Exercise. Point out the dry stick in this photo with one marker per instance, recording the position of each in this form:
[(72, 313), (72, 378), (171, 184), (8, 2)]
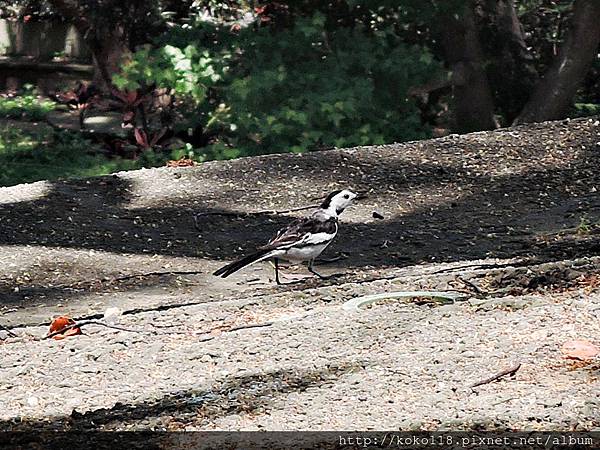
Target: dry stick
[(10, 333), (472, 285), (509, 371), (482, 267), (91, 322), (95, 322), (284, 211), (330, 260), (250, 325), (128, 277)]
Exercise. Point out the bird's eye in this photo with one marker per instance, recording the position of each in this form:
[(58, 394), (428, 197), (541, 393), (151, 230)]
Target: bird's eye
[(346, 196)]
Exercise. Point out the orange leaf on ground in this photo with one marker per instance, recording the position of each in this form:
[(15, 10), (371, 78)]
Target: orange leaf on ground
[(580, 350), (62, 322)]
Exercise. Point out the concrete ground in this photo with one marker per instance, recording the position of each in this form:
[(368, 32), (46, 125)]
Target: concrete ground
[(506, 219)]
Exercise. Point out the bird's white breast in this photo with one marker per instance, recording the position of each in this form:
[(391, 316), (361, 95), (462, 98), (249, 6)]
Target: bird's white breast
[(300, 254)]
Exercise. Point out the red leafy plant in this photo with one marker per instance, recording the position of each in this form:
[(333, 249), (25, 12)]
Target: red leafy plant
[(147, 141), (132, 103), (81, 99)]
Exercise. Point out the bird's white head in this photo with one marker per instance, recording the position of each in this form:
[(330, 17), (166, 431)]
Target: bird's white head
[(338, 201)]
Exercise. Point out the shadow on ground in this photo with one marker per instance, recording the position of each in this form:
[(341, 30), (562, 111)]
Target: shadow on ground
[(493, 215), (500, 217), (243, 394)]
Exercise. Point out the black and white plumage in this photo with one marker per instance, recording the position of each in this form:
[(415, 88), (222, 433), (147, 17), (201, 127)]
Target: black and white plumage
[(302, 240)]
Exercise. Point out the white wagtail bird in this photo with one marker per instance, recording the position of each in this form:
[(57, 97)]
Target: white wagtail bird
[(302, 240)]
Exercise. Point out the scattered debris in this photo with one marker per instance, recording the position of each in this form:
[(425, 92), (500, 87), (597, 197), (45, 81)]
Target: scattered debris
[(385, 244), (377, 215)]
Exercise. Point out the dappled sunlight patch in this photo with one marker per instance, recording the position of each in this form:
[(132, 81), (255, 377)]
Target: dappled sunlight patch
[(27, 193)]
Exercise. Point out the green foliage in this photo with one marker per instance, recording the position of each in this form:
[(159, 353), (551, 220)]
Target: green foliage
[(305, 88), (27, 156), (585, 225), (302, 88), (585, 109), (186, 71), (26, 106)]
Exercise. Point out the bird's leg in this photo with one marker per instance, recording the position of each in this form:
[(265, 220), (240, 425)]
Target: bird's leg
[(281, 275), (313, 271), (277, 271)]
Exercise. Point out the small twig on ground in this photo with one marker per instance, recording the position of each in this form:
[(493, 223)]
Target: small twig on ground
[(483, 266), (115, 327), (250, 325), (512, 370), (10, 333), (472, 285), (284, 211), (91, 322)]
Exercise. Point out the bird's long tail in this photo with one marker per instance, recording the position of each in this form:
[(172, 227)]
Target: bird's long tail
[(230, 268)]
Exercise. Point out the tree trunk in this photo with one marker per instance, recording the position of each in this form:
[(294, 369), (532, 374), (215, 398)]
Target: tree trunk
[(108, 46), (473, 102), (511, 70), (554, 93), (109, 50)]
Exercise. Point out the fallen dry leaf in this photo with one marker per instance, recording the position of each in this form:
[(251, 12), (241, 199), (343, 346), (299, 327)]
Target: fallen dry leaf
[(590, 282), (580, 350), (183, 162), (60, 323)]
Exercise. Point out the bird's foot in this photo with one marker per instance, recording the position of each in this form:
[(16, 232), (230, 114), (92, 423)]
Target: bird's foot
[(321, 276)]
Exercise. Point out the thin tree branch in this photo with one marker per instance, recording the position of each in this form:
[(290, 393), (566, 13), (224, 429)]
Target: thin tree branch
[(155, 274)]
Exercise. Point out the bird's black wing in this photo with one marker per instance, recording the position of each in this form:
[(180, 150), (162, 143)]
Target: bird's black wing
[(308, 230)]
